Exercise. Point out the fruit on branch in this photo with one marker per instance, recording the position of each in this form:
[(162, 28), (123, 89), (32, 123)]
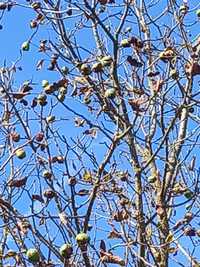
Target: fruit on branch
[(82, 238), (174, 74), (198, 13), (85, 69), (49, 193), (45, 83), (110, 93), (188, 194), (198, 233), (33, 255), (15, 136), (50, 88), (125, 43), (47, 174), (20, 153), (167, 55), (86, 100), (60, 159), (25, 46), (41, 99), (50, 119), (97, 67), (66, 251)]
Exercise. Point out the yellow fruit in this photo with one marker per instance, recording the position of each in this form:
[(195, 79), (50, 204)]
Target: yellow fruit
[(25, 46), (20, 153), (82, 238), (50, 119), (45, 83)]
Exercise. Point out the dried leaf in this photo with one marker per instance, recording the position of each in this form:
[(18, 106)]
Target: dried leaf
[(38, 198), (18, 182), (40, 64)]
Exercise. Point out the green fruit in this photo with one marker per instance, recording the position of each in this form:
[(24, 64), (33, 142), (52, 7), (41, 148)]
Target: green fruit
[(50, 119), (188, 194), (110, 93), (66, 250), (198, 12), (20, 153), (45, 83), (25, 46), (125, 43), (82, 238), (33, 255)]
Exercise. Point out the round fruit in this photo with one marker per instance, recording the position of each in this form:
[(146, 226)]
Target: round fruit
[(33, 255), (20, 153), (49, 89), (125, 43), (25, 46), (198, 12), (85, 69), (50, 119), (82, 238), (47, 174), (66, 250), (48, 193), (110, 93), (188, 194), (45, 83), (174, 74)]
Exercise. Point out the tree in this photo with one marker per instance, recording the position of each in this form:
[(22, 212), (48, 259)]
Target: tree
[(99, 144)]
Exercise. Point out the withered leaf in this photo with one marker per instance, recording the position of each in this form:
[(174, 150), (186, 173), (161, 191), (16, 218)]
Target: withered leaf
[(40, 64), (38, 198), (17, 182)]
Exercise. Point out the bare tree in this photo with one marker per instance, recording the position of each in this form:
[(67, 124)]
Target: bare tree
[(99, 146)]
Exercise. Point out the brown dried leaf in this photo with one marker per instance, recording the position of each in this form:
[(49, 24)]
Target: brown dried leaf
[(17, 182)]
